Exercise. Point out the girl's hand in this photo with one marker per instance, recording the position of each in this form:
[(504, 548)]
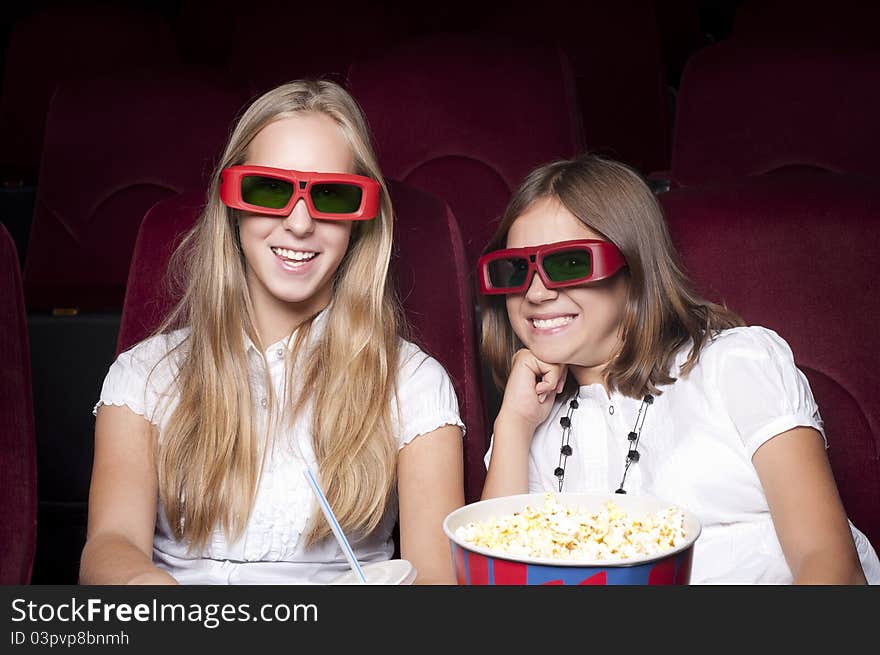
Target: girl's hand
[(531, 389)]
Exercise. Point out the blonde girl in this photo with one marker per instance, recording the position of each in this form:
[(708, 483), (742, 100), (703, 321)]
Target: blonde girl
[(284, 353)]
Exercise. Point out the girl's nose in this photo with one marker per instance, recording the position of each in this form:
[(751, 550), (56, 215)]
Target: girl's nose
[(299, 221), (537, 292)]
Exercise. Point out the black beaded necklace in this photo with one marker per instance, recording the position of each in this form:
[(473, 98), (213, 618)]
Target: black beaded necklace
[(632, 455), (565, 450)]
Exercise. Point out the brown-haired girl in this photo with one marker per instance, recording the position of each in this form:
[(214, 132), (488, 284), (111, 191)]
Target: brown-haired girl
[(617, 377)]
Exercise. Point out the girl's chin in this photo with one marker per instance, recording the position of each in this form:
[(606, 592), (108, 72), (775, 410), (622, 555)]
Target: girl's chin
[(290, 296), (561, 356), (552, 355)]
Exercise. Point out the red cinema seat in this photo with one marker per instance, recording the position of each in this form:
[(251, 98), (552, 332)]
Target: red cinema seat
[(115, 147), (850, 24), (60, 43), (297, 40), (796, 251), (748, 109), (617, 59), (18, 470), (465, 117)]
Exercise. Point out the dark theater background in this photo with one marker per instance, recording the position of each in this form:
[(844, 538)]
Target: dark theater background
[(755, 123)]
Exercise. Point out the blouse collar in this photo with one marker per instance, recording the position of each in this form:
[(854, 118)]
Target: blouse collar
[(318, 325)]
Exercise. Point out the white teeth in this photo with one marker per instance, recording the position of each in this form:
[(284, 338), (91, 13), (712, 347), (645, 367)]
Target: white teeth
[(543, 324), (295, 255)]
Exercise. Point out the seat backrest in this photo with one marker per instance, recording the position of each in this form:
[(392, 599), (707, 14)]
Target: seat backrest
[(59, 43), (18, 469), (437, 298), (749, 109), (617, 61), (838, 23), (797, 252), (466, 117), (292, 41), (114, 147)]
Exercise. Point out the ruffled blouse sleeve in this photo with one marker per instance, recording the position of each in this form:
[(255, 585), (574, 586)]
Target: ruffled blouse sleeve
[(140, 377), (425, 395), (761, 388)]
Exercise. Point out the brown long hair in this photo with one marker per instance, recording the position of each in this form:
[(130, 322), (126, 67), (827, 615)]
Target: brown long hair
[(210, 456), (662, 312)]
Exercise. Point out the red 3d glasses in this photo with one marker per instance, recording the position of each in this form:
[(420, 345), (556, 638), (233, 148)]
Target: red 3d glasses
[(275, 191), (560, 264)]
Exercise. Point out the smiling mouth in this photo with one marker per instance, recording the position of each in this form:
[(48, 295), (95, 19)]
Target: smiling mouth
[(547, 323), (294, 256)]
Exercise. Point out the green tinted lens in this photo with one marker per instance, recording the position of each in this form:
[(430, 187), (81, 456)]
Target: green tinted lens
[(339, 198), (508, 273), (568, 265), (269, 192)]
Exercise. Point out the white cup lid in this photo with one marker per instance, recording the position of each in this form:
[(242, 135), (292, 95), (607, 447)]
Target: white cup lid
[(387, 572)]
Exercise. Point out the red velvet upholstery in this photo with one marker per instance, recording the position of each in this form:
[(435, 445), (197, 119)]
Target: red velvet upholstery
[(466, 117), (841, 23), (616, 56), (796, 251), (61, 43), (18, 469), (114, 147), (432, 279), (746, 110), (293, 43)]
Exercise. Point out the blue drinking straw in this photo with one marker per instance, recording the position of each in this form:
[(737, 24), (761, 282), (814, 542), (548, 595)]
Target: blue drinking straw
[(334, 525)]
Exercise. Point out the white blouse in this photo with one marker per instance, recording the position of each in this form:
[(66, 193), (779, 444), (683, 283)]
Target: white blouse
[(271, 550), (696, 448)]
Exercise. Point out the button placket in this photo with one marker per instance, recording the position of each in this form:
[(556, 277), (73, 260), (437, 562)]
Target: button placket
[(591, 444)]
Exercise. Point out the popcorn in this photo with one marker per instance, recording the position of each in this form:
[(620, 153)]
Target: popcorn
[(573, 533)]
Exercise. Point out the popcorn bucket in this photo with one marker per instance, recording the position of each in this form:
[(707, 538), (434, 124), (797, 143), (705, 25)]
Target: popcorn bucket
[(476, 565)]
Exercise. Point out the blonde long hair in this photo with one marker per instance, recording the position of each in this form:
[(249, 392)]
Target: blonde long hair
[(210, 457), (662, 312)]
